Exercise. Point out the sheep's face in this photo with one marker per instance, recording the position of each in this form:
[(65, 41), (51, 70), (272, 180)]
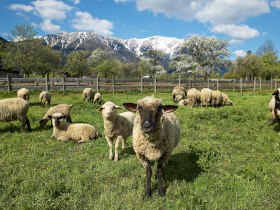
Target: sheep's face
[(58, 119), (109, 110), (277, 99)]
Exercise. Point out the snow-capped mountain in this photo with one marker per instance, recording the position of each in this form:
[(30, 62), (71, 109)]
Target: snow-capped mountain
[(127, 50)]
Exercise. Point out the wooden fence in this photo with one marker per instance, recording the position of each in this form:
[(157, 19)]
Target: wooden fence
[(100, 84)]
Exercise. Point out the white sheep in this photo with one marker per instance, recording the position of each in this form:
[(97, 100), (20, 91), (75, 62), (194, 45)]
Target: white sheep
[(183, 102), (206, 96), (97, 98), (272, 104), (15, 109), (23, 93), (178, 91), (61, 108), (45, 97), (156, 132), (226, 100), (217, 98), (88, 93), (64, 131), (193, 96), (116, 126)]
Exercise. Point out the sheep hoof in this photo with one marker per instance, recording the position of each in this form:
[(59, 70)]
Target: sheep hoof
[(148, 194), (162, 194), (111, 158), (116, 159)]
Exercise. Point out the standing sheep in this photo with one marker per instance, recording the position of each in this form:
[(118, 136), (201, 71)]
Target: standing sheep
[(226, 100), (217, 98), (61, 108), (97, 98), (15, 109), (116, 126), (206, 96), (178, 91), (193, 96), (64, 131), (156, 132), (23, 93), (88, 93), (273, 102), (45, 97)]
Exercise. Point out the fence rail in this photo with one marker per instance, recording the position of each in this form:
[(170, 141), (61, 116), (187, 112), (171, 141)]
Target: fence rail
[(112, 84)]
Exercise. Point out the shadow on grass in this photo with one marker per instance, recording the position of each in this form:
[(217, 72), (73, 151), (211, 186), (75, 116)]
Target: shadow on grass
[(276, 127), (183, 166)]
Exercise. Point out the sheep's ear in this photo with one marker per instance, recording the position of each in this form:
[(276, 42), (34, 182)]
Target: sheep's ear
[(130, 106), (50, 117), (276, 92), (169, 108), (100, 109)]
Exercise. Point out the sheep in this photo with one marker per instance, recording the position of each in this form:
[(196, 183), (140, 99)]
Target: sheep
[(64, 131), (44, 97), (217, 98), (156, 132), (97, 98), (88, 93), (226, 100), (271, 105), (183, 102), (178, 90), (23, 93), (15, 109), (206, 96), (62, 108), (116, 126), (193, 96)]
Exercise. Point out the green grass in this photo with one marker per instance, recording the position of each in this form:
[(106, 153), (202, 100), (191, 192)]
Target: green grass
[(228, 158)]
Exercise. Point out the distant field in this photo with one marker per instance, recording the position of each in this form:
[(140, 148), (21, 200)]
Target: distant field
[(228, 158)]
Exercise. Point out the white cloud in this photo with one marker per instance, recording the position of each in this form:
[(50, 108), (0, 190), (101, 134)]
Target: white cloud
[(276, 4), (85, 21), (51, 9), (49, 27), (76, 1), (21, 7), (240, 53), (242, 32), (122, 1)]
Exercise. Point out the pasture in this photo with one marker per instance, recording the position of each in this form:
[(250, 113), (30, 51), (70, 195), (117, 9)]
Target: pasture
[(228, 158)]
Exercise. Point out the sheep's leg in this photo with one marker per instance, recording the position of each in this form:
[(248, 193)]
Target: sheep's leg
[(49, 103), (110, 144), (119, 138), (62, 138), (160, 179), (148, 189), (28, 124), (83, 139), (123, 143)]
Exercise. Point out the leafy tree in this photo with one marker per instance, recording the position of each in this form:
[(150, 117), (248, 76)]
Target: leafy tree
[(108, 68), (154, 57), (270, 61), (208, 52), (98, 56), (77, 64), (266, 47), (23, 32), (182, 63), (3, 50), (143, 67)]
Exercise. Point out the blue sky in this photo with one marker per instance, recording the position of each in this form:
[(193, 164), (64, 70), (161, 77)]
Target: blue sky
[(245, 23)]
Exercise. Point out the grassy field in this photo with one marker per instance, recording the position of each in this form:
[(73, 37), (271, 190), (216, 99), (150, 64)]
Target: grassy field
[(228, 158)]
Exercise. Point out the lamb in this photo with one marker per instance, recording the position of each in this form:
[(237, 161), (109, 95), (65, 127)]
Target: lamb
[(116, 126), (88, 93), (226, 100), (193, 96), (217, 98), (64, 131), (61, 108), (156, 132), (206, 96), (178, 90), (97, 98), (45, 97), (23, 93), (183, 102), (15, 109)]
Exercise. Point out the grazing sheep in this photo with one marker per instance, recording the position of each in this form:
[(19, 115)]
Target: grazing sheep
[(226, 100), (183, 102), (61, 108), (217, 98), (97, 98), (45, 97), (23, 93), (116, 126), (178, 91), (15, 109), (88, 93), (64, 131), (156, 132), (193, 96), (206, 96)]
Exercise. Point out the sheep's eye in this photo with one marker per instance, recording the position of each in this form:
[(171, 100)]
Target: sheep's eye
[(61, 117)]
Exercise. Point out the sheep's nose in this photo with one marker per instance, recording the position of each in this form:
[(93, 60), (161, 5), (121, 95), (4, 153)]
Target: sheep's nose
[(147, 124)]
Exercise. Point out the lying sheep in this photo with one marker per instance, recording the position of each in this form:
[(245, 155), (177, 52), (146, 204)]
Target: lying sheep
[(23, 93), (61, 108), (156, 132), (88, 93), (116, 126), (64, 131), (45, 97), (206, 96), (97, 98), (178, 91), (15, 109), (226, 100), (217, 98), (193, 96)]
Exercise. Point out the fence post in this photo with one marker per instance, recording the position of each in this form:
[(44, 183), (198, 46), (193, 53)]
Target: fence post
[(47, 82), (233, 88), (78, 82), (9, 86), (141, 84), (113, 84), (255, 81), (275, 84), (179, 79), (208, 83), (241, 90), (217, 84), (63, 84), (155, 84), (260, 83), (97, 83)]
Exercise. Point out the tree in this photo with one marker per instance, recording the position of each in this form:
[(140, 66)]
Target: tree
[(208, 52), (266, 47), (108, 68), (143, 67), (182, 63), (76, 63), (154, 57), (270, 61), (23, 32)]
